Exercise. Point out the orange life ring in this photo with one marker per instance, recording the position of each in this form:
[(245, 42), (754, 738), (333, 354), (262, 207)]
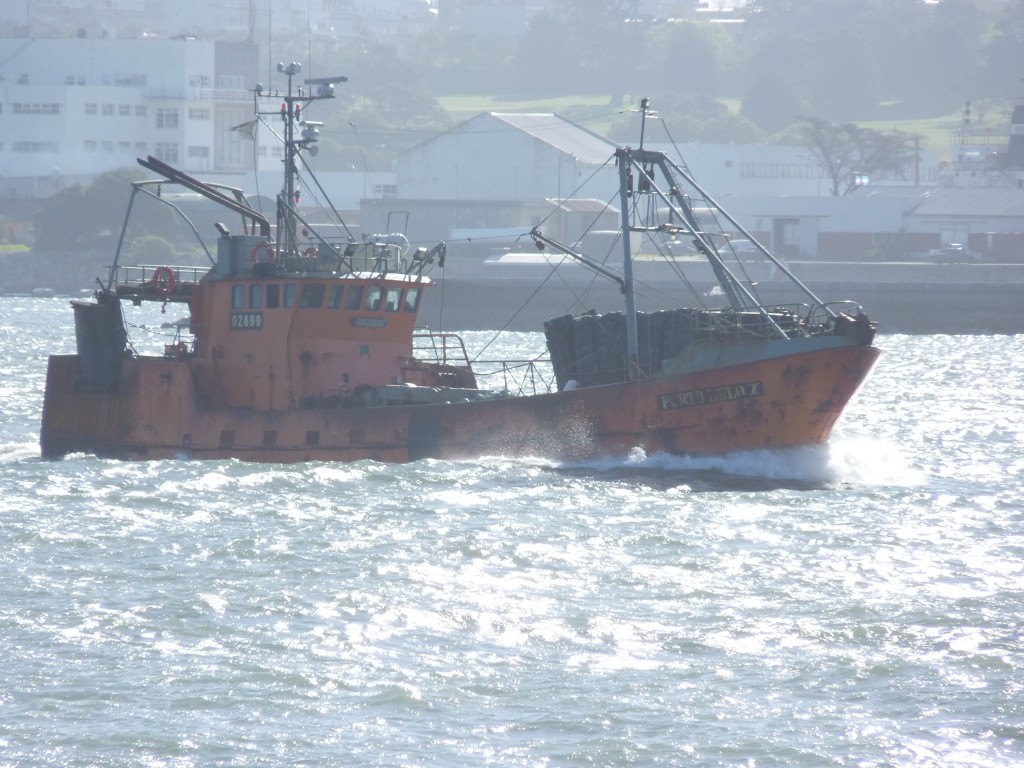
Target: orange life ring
[(254, 255), (311, 253), (164, 281)]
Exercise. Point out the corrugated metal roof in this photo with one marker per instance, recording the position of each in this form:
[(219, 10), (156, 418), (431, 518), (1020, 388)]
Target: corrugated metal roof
[(972, 201), (561, 134)]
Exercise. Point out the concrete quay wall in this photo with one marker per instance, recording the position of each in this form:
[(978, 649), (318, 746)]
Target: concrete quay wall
[(521, 293)]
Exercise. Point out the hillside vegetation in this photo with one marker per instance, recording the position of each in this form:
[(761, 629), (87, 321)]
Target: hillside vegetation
[(886, 64)]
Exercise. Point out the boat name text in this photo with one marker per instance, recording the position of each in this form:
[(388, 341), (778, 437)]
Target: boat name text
[(696, 397), (246, 321), (369, 322)]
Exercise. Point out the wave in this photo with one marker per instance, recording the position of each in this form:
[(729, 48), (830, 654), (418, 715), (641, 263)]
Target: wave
[(857, 461)]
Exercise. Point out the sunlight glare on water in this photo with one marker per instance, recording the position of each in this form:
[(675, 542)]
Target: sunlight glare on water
[(851, 605)]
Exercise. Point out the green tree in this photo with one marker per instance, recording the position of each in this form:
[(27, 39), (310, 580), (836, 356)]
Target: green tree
[(544, 63), (457, 62), (683, 52), (770, 102), (151, 249), (842, 58), (62, 222), (78, 217), (1001, 64), (848, 152)]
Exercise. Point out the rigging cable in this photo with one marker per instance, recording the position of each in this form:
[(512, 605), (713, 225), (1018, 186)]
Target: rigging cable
[(714, 217)]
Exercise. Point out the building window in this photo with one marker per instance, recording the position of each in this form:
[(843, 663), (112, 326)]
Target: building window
[(90, 145), (198, 113), (33, 147), (166, 152), (131, 80), (140, 147), (140, 110), (124, 110), (91, 109), (22, 108), (108, 109), (198, 152), (199, 81), (167, 118)]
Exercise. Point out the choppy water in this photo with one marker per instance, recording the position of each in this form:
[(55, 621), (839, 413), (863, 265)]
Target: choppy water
[(860, 605)]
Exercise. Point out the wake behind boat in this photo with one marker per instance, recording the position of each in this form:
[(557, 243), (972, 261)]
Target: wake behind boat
[(303, 346)]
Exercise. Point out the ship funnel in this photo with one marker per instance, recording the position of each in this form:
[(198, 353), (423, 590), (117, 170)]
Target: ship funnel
[(1015, 149)]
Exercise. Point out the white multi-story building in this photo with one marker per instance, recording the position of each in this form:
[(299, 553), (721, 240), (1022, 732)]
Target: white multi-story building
[(73, 108)]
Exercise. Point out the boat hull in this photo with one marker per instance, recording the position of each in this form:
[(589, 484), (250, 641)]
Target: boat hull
[(154, 412)]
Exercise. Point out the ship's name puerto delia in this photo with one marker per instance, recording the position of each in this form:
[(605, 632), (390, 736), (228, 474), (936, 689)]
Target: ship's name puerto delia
[(710, 395)]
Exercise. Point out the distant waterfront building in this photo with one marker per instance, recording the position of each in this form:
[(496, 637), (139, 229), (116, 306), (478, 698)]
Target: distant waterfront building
[(490, 179), (71, 109)]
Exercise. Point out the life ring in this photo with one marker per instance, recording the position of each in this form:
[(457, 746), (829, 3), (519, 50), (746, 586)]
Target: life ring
[(164, 281), (267, 248), (311, 253)]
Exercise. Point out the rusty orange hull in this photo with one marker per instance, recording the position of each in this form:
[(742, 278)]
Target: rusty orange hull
[(154, 413)]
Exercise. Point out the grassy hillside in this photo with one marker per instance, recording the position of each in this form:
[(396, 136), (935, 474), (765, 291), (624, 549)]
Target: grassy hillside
[(939, 133)]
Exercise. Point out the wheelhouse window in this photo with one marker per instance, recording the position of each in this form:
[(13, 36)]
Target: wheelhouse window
[(354, 297), (373, 298), (256, 296), (412, 300), (394, 300), (334, 299), (238, 297), (312, 295), (291, 290), (273, 296)]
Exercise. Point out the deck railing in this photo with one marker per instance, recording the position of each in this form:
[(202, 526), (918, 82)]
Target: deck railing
[(156, 282)]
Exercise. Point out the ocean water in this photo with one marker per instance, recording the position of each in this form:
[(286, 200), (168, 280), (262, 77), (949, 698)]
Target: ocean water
[(855, 605)]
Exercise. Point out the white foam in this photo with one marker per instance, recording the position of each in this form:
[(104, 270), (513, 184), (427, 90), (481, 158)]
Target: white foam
[(857, 460)]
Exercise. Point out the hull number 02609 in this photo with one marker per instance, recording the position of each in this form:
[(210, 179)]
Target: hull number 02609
[(246, 321)]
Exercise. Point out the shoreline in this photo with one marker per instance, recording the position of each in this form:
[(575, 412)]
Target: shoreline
[(517, 292)]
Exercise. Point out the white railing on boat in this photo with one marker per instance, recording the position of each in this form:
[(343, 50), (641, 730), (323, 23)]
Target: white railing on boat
[(156, 282), (517, 377), (439, 348)]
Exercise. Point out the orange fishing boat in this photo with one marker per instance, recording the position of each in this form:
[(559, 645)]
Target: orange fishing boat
[(303, 348)]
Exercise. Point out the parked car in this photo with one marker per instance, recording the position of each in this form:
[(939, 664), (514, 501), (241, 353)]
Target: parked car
[(952, 253)]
